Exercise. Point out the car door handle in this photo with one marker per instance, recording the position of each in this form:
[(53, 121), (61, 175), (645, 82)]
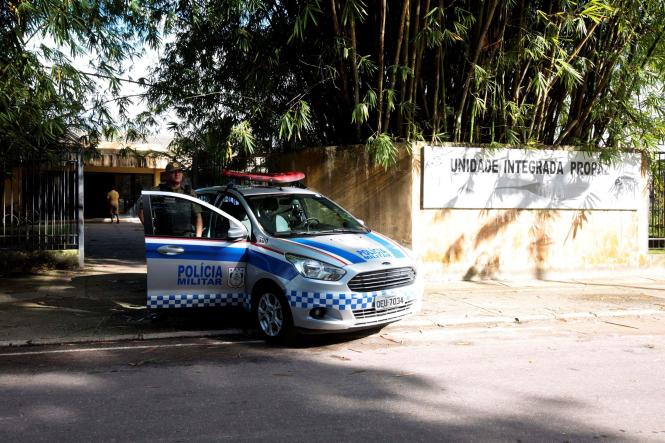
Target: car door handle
[(170, 250)]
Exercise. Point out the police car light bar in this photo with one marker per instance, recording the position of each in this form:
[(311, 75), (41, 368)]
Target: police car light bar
[(274, 178)]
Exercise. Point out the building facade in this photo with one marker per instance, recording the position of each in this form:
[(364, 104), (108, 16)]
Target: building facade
[(128, 169)]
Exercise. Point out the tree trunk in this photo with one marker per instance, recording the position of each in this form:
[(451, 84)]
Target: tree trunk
[(342, 68), (356, 79), (382, 32), (405, 63), (400, 38), (435, 101), (412, 65), (472, 65), (417, 80)]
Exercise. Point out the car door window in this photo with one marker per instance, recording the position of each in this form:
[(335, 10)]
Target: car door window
[(234, 208), (178, 217)]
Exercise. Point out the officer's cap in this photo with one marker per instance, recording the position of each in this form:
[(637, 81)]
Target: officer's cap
[(174, 166)]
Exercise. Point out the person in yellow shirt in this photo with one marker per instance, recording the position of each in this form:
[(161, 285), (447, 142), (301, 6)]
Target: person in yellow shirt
[(113, 199)]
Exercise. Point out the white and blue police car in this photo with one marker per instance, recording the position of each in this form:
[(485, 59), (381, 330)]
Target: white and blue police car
[(292, 257)]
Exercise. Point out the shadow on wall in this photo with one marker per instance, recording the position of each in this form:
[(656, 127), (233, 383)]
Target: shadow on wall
[(455, 251), (496, 225), (580, 218), (487, 266), (541, 242)]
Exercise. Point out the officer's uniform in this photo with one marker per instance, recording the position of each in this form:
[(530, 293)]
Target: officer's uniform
[(176, 217)]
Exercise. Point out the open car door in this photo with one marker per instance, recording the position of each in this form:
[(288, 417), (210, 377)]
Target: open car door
[(195, 252)]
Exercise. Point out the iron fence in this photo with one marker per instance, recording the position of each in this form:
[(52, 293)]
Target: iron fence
[(657, 203), (40, 209)]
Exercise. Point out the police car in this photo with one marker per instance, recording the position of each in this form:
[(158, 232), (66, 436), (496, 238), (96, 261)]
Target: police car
[(292, 257)]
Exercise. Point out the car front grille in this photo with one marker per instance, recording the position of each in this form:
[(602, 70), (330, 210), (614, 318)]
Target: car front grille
[(384, 279), (364, 316)]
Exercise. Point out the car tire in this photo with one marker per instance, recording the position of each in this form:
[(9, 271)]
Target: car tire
[(272, 315)]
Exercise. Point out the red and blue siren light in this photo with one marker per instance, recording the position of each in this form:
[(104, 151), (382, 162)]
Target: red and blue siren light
[(277, 178)]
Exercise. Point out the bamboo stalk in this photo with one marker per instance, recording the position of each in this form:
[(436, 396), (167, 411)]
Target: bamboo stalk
[(412, 77), (382, 33), (356, 79), (405, 61), (470, 72), (400, 39), (342, 68)]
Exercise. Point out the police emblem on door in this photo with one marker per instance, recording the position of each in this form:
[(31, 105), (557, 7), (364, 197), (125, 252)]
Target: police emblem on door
[(236, 277)]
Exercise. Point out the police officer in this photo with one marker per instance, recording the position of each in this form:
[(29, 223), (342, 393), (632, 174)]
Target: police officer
[(176, 219)]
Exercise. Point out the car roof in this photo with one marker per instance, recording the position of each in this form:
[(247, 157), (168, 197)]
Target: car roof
[(256, 190)]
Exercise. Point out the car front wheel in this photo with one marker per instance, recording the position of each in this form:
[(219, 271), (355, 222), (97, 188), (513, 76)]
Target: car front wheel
[(273, 317)]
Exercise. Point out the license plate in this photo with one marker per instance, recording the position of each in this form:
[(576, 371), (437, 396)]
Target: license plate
[(383, 303)]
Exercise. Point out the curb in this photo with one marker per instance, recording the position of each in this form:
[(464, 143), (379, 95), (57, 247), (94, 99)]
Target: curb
[(120, 337), (414, 323), (456, 321)]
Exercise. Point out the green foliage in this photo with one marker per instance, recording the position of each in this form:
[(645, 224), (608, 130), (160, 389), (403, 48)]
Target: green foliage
[(294, 121), (308, 14), (251, 76), (520, 73), (242, 137), (383, 150), (46, 104)]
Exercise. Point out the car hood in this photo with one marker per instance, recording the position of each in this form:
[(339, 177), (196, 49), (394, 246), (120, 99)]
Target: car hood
[(347, 249)]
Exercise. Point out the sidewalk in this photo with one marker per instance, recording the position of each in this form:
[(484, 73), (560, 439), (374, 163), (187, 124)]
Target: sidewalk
[(466, 303), (107, 303)]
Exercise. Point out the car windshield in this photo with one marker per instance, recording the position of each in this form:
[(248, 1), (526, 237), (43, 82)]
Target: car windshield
[(302, 214)]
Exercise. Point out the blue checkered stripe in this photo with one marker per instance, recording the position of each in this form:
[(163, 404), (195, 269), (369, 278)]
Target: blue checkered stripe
[(341, 300), (196, 300)]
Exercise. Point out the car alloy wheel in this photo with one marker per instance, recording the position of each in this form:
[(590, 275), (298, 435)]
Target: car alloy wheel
[(270, 314)]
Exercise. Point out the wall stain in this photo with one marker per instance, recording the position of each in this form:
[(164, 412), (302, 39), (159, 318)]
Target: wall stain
[(455, 251), (486, 267), (493, 227)]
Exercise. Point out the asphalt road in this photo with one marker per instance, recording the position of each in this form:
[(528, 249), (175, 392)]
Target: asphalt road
[(552, 381)]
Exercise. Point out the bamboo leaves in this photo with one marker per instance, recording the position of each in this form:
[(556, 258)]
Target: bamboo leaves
[(514, 72), (295, 121)]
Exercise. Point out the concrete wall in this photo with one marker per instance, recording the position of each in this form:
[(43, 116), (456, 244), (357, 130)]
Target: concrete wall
[(455, 244), (346, 175)]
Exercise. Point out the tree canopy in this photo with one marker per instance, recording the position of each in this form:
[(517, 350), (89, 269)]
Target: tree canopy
[(324, 72), (263, 75), (47, 104)]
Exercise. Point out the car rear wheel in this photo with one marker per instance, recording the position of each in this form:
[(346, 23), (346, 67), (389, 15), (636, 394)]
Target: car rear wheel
[(273, 317)]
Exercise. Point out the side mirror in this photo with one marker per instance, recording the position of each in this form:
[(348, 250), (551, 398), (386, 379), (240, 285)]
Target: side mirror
[(362, 222), (236, 233)]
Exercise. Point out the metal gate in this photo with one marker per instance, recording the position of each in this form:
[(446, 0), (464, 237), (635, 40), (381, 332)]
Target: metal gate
[(40, 206), (657, 203)]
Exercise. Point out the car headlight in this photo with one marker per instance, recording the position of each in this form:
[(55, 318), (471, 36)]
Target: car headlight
[(318, 270)]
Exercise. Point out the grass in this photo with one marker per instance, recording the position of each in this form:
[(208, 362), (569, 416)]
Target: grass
[(22, 262)]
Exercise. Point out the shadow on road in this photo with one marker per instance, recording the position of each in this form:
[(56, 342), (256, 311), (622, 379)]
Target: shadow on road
[(252, 392)]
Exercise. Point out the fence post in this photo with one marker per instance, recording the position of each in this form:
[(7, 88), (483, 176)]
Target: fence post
[(79, 207)]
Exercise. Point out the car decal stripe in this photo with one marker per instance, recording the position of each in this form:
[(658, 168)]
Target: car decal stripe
[(348, 300), (156, 301), (259, 245), (194, 241), (344, 262), (199, 252), (386, 244), (271, 264), (333, 249)]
